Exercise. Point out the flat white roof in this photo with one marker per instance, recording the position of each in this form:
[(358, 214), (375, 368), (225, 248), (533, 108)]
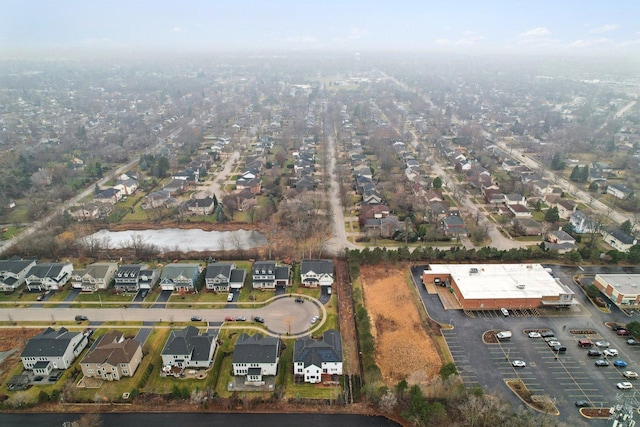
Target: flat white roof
[(626, 284), (501, 281)]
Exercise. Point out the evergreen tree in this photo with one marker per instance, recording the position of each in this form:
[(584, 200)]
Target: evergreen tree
[(575, 174), (552, 215), (215, 201), (584, 174)]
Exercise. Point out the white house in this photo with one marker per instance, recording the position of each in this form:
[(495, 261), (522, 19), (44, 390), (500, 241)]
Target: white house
[(618, 239), (13, 272), (316, 272), (188, 348), (255, 356), (48, 276), (95, 277), (52, 349), (582, 223), (218, 276), (313, 358)]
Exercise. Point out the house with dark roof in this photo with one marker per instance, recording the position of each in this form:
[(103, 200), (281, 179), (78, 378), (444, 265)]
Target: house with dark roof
[(519, 211), (109, 195), (94, 277), (314, 358), (218, 276), (316, 272), (203, 206), (619, 191), (566, 208), (112, 357), (527, 227), (582, 223), (13, 272), (127, 278), (48, 276), (453, 225), (179, 277), (255, 356), (268, 275), (188, 348), (618, 239), (52, 349)]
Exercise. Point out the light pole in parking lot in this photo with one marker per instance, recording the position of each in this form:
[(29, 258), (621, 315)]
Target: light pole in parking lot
[(508, 351)]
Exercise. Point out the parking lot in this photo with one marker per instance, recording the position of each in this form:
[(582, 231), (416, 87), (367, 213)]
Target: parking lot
[(564, 377)]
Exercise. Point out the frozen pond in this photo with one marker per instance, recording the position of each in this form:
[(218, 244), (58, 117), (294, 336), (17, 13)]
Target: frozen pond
[(172, 239)]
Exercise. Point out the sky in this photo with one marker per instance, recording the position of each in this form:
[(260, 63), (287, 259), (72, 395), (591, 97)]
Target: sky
[(536, 26)]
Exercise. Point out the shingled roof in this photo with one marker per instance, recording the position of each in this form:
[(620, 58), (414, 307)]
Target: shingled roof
[(314, 352), (49, 343)]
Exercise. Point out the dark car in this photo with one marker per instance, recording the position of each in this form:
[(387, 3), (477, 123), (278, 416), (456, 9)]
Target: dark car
[(258, 319), (196, 319), (632, 341), (617, 327), (602, 362), (594, 352), (299, 299), (582, 404), (81, 318), (547, 334), (54, 377)]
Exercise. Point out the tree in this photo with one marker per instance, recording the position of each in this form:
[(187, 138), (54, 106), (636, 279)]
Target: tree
[(437, 183), (627, 227), (557, 163), (575, 174), (552, 215)]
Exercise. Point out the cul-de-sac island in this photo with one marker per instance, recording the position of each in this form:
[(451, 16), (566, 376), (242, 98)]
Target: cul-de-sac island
[(350, 235)]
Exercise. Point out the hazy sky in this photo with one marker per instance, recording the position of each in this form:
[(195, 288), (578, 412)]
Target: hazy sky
[(356, 25)]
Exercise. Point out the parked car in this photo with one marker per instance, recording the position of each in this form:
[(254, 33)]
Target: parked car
[(610, 352), (632, 375), (534, 334), (632, 341), (553, 343), (144, 294), (582, 404), (559, 348), (602, 362), (229, 319), (81, 318), (518, 364), (623, 332), (230, 297), (314, 319), (258, 319), (594, 352), (617, 327), (240, 319), (602, 343), (552, 338), (624, 385), (196, 319), (505, 312), (40, 297), (620, 364), (301, 300), (585, 343), (55, 376), (547, 334)]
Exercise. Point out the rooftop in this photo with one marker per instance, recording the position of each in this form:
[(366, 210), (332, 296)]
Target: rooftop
[(626, 284), (499, 281)]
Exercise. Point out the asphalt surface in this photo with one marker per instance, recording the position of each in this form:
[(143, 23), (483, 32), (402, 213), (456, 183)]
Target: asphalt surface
[(565, 377)]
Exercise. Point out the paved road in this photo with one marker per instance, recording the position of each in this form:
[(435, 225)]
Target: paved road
[(282, 316), (214, 187)]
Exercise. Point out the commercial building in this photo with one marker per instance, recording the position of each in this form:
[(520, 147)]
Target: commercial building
[(494, 286), (622, 289)]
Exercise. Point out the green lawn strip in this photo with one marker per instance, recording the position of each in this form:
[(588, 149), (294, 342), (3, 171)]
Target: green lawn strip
[(104, 297)]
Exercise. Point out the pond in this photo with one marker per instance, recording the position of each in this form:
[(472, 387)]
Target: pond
[(176, 239)]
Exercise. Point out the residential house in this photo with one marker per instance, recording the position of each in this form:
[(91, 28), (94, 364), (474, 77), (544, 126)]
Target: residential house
[(202, 206), (148, 278), (218, 276), (179, 277), (314, 358), (434, 196), (494, 197), (268, 275), (112, 357), (97, 276), (175, 186), (316, 272), (52, 349), (566, 208), (619, 191), (527, 227), (89, 211), (126, 185), (560, 241), (127, 278), (371, 197), (245, 200), (188, 348), (255, 356), (13, 273), (48, 276), (109, 195), (509, 165), (515, 199), (159, 199), (542, 187), (618, 239), (519, 211), (582, 223), (453, 226)]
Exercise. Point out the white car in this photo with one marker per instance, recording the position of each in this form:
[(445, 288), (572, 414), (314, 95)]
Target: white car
[(314, 319), (534, 334), (518, 364), (632, 375), (610, 352), (602, 343), (625, 385), (553, 343)]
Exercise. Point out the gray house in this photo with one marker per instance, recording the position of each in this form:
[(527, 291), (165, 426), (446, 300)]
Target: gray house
[(52, 349), (95, 277), (179, 277), (13, 273), (218, 276), (188, 348), (256, 356), (48, 276)]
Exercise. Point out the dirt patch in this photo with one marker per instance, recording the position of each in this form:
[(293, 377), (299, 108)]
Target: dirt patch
[(404, 347), (13, 339)]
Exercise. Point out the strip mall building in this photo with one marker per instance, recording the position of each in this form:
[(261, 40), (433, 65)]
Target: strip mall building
[(493, 286)]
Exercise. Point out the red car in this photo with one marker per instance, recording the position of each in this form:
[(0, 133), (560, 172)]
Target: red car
[(623, 332), (229, 319)]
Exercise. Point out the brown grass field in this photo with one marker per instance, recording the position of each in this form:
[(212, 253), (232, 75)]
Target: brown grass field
[(404, 348)]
